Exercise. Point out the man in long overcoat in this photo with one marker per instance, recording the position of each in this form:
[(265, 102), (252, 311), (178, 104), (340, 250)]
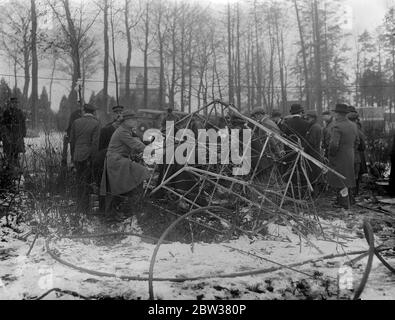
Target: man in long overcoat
[(13, 132), (104, 140), (84, 141), (344, 137), (121, 174)]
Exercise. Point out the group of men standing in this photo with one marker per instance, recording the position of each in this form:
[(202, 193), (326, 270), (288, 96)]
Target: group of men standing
[(340, 142), (103, 156)]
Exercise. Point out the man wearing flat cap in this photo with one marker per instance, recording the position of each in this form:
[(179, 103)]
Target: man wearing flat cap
[(122, 175), (344, 137), (84, 142), (104, 139), (13, 131)]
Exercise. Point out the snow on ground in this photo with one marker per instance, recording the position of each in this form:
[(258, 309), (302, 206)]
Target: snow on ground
[(27, 277)]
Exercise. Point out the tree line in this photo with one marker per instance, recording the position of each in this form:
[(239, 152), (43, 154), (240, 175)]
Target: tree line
[(250, 53)]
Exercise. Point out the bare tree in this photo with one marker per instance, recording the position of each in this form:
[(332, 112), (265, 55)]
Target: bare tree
[(34, 96)]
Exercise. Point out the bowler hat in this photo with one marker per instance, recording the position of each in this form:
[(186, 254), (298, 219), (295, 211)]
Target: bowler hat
[(89, 107), (326, 113), (117, 108), (341, 108), (128, 115), (296, 108)]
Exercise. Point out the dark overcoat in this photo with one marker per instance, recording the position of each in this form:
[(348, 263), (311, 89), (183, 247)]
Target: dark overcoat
[(105, 136), (121, 175), (296, 126), (13, 129), (84, 137), (313, 148), (344, 137)]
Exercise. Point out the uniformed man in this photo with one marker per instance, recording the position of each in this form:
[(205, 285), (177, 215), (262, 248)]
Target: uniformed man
[(13, 132), (344, 137), (122, 175), (84, 142)]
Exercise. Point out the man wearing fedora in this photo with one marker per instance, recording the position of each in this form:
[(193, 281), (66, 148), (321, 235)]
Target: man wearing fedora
[(13, 132), (122, 175), (84, 142), (344, 137)]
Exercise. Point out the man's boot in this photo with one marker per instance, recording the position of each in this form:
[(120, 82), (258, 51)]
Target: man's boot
[(352, 196), (343, 199)]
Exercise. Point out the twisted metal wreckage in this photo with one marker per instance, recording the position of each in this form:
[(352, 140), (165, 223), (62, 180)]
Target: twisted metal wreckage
[(271, 196), (276, 188), (271, 193)]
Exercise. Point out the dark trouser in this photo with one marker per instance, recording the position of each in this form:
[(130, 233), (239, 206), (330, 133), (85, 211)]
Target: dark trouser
[(83, 184), (344, 201), (131, 198), (357, 173)]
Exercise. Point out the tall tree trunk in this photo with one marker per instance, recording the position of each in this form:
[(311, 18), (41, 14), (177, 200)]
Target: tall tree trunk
[(304, 56), (145, 88), (174, 53), (182, 51), (258, 69), (75, 54), (230, 71), (162, 84), (129, 51), (51, 81), (106, 57), (26, 68), (34, 99), (238, 70), (280, 53), (190, 70), (114, 60), (317, 54)]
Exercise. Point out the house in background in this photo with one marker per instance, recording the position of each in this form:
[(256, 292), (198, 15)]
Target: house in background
[(136, 95)]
